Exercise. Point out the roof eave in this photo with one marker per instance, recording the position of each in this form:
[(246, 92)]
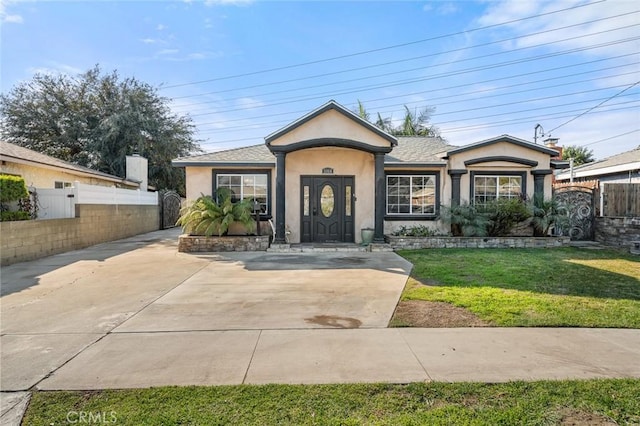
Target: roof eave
[(322, 109), (503, 138)]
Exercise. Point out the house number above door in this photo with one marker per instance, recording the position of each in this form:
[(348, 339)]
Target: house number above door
[(327, 200)]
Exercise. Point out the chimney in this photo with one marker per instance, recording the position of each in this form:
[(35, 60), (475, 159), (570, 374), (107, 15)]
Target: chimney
[(552, 143), (138, 170)]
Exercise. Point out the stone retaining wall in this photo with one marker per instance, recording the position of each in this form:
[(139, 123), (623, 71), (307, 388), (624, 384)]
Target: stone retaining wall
[(617, 231), (32, 239), (194, 243), (404, 243)]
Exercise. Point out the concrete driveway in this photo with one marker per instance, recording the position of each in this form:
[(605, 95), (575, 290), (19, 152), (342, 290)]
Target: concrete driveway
[(121, 293)]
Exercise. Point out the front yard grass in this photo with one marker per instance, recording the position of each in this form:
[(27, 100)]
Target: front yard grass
[(563, 287), (611, 401)]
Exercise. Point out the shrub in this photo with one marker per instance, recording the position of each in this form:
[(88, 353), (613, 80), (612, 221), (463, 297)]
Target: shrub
[(547, 213), (504, 214), (415, 231), (12, 188), (6, 216), (207, 216), (465, 220), (14, 194)]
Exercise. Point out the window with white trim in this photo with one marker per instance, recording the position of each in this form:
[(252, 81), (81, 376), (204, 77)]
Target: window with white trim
[(411, 195), (242, 186), (61, 185), (489, 188)]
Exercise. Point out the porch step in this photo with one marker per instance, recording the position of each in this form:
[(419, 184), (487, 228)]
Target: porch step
[(326, 248)]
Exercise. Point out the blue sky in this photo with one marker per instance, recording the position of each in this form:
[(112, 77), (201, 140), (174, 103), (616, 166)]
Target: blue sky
[(244, 69)]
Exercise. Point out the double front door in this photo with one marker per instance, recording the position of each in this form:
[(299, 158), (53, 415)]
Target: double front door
[(327, 209)]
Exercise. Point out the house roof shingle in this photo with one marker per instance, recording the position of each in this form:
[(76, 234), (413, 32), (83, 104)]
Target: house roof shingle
[(12, 151), (409, 150)]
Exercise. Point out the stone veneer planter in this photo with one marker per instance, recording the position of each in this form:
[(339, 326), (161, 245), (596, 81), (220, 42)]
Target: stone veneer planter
[(403, 243), (198, 243)]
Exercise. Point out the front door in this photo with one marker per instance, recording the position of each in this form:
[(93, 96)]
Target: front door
[(327, 209)]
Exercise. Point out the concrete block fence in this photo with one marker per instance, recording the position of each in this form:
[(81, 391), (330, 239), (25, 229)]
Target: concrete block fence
[(32, 239)]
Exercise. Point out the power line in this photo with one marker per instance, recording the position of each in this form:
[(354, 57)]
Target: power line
[(270, 124), (590, 109), (351, 55), (418, 57), (297, 112), (431, 77), (520, 120), (611, 137)]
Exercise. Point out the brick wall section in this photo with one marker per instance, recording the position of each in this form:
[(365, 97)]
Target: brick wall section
[(27, 240), (411, 243), (617, 231), (192, 243)]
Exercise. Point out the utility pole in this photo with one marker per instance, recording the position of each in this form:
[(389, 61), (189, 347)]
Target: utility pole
[(571, 170)]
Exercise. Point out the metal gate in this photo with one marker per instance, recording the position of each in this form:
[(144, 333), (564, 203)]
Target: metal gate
[(170, 204), (577, 203)]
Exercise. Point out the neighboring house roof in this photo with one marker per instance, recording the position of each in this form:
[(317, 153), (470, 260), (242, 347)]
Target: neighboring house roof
[(504, 138), (410, 150), (331, 105), (18, 154), (619, 163)]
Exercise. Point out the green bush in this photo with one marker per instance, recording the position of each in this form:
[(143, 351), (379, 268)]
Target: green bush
[(493, 219), (504, 214), (12, 188), (7, 216), (415, 231), (465, 220)]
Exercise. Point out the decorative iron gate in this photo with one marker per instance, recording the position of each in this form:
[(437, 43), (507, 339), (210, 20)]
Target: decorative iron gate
[(577, 203), (170, 204)]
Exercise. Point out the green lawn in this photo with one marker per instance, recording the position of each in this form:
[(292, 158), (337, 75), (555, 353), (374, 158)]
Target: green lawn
[(531, 287), (533, 403)]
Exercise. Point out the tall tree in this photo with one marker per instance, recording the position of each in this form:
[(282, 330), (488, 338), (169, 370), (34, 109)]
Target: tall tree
[(414, 123), (96, 120), (580, 154)]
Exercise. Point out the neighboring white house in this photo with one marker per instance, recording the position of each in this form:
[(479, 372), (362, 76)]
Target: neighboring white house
[(619, 168), (42, 171)]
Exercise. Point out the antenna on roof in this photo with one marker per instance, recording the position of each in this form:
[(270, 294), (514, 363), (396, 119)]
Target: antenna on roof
[(538, 131)]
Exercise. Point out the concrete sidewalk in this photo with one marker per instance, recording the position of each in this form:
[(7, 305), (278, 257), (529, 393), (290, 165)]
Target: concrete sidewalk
[(136, 313), (349, 356)]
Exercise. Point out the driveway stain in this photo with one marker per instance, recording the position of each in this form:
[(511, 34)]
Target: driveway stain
[(334, 321)]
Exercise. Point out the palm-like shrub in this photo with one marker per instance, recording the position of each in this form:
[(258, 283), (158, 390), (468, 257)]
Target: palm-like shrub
[(503, 214), (547, 213), (207, 216), (465, 220)]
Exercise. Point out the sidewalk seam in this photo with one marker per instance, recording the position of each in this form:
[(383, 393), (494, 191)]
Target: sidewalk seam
[(415, 356), (255, 347)]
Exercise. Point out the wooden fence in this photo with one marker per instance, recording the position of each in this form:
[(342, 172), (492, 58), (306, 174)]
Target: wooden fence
[(621, 199)]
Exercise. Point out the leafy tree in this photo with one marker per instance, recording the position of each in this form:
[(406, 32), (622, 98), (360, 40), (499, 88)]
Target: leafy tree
[(580, 154), (95, 120)]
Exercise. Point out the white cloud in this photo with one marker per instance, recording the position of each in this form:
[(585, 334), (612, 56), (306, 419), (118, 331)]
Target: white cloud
[(505, 10), (149, 40), (227, 2), (161, 27), (448, 9), (168, 52), (5, 17), (55, 68), (249, 103)]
